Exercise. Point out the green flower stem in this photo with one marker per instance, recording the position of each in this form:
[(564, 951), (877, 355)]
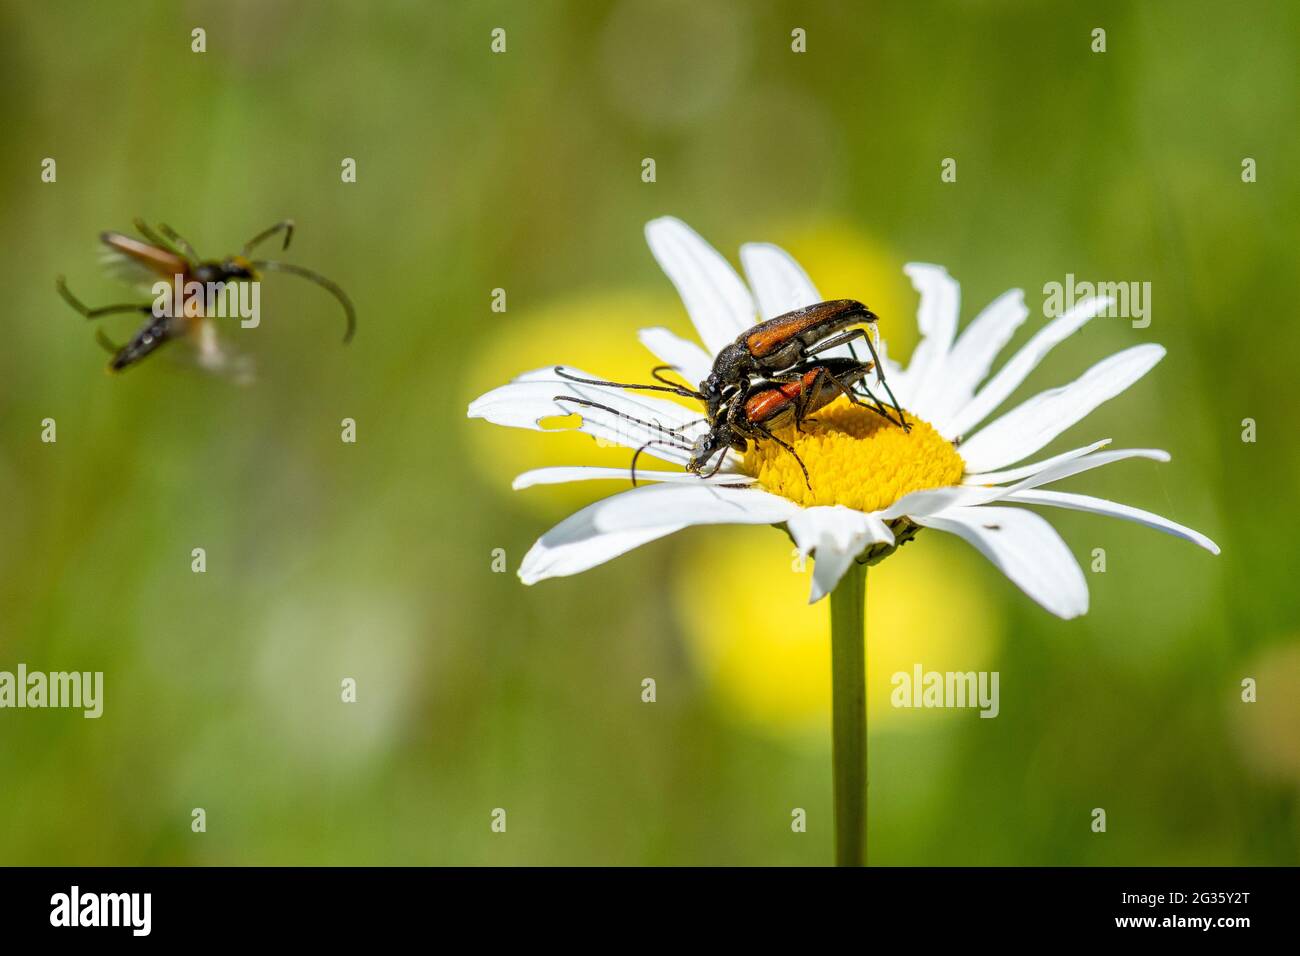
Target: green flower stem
[(849, 715)]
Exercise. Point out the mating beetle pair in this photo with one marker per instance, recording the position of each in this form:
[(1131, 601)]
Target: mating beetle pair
[(166, 255), (769, 376)]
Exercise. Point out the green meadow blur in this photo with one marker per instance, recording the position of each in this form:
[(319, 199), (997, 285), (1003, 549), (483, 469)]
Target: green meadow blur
[(522, 171)]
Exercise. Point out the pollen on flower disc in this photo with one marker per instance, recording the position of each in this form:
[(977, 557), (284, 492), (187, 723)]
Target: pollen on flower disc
[(855, 458)]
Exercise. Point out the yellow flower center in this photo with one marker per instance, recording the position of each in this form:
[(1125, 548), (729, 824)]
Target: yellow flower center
[(854, 458)]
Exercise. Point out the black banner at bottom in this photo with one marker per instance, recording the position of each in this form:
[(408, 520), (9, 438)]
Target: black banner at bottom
[(338, 904)]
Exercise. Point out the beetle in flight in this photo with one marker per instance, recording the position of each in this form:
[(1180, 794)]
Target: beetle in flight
[(163, 254)]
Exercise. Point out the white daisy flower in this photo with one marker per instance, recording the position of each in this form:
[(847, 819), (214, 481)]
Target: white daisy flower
[(873, 485)]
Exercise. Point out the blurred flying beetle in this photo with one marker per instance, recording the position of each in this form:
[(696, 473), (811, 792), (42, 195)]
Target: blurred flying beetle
[(754, 412), (166, 255)]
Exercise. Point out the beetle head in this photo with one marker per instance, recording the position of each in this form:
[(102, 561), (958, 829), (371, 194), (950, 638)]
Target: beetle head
[(730, 370), (237, 267), (711, 393), (715, 441)]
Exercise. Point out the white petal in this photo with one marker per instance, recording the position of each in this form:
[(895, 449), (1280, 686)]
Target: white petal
[(1026, 549), (716, 299), (973, 354), (1055, 471), (575, 544), (917, 504), (691, 361), (936, 500), (779, 283), (531, 397), (685, 504), (1036, 421), (561, 474), (556, 560), (1100, 506), (837, 535), (511, 401), (1025, 471), (1009, 377), (937, 318)]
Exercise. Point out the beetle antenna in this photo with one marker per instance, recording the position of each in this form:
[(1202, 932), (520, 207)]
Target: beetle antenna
[(285, 225), (655, 374), (675, 389), (653, 426), (321, 281), (637, 454)]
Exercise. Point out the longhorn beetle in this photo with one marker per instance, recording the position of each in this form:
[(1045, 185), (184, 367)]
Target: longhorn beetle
[(166, 254), (754, 412), (775, 346), (791, 339)]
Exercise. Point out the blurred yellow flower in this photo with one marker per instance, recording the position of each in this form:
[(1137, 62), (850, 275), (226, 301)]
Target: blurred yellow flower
[(743, 610)]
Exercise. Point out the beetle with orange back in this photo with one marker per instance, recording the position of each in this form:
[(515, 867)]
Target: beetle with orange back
[(774, 350), (754, 413), (793, 339), (164, 254)]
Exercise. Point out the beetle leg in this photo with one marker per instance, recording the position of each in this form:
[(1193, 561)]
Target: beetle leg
[(285, 226), (856, 399), (875, 333), (637, 454), (880, 377), (722, 457), (878, 407), (806, 398), (90, 313), (107, 344), (181, 242), (768, 433), (153, 238), (835, 340), (778, 378), (850, 336)]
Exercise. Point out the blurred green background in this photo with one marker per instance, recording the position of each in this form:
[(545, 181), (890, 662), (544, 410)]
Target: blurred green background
[(522, 171)]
